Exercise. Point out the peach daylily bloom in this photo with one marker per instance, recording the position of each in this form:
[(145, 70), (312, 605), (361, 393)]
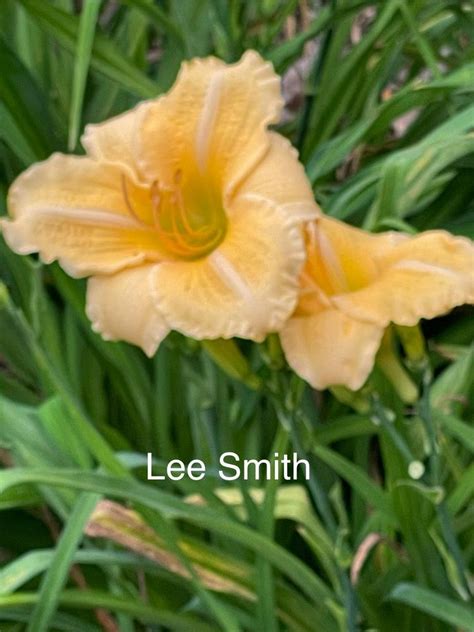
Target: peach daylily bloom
[(186, 213), (355, 284)]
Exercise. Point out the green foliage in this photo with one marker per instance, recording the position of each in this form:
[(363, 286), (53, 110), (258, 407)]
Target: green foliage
[(384, 125)]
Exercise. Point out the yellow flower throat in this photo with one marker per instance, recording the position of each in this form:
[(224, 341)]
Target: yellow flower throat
[(188, 218)]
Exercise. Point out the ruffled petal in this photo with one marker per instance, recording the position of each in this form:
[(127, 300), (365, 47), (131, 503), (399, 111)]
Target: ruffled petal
[(74, 209), (214, 119), (279, 179), (247, 287), (114, 140), (329, 348), (421, 277), (121, 307)]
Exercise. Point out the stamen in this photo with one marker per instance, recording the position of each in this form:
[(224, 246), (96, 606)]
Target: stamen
[(182, 211), (174, 225), (155, 201), (178, 234), (128, 204)]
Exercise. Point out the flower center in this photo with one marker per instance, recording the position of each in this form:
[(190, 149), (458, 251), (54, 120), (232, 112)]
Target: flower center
[(335, 265), (188, 218), (324, 266)]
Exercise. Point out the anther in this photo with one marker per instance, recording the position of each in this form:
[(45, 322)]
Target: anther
[(128, 204)]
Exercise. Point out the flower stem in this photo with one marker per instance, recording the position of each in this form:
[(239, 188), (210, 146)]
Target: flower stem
[(391, 366), (445, 519), (286, 408), (382, 416), (413, 344)]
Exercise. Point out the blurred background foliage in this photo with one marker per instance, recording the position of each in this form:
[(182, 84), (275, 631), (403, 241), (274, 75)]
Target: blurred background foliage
[(380, 105)]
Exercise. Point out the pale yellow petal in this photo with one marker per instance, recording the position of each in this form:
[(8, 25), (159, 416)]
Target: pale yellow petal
[(213, 119), (120, 307), (114, 140), (74, 209), (330, 348), (279, 179), (422, 277), (247, 287)]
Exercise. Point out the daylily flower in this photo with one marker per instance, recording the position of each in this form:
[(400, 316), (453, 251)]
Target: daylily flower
[(186, 213), (354, 284)]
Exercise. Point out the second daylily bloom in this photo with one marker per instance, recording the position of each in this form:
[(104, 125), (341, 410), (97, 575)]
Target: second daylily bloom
[(355, 284), (186, 213)]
